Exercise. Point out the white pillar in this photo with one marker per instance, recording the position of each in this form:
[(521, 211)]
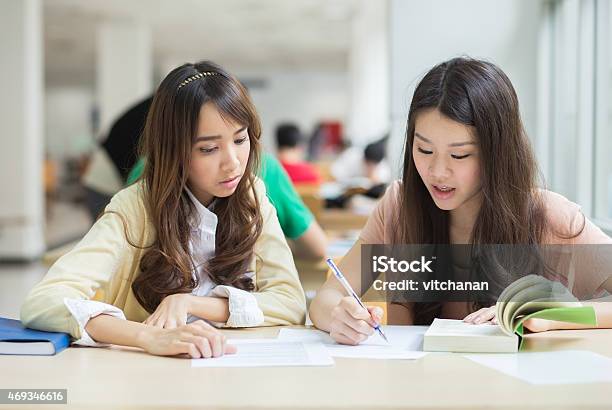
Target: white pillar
[(21, 155), (124, 68), (369, 113)]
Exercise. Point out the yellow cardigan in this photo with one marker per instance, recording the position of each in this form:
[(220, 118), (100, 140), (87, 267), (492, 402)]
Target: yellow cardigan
[(103, 266)]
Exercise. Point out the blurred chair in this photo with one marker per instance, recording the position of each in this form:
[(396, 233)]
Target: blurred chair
[(324, 169), (341, 220), (310, 195)]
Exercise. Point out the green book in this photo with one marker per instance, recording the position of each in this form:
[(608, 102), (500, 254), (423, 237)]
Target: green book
[(534, 296), (531, 296)]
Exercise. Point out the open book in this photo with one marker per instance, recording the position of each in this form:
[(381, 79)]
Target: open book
[(529, 297)]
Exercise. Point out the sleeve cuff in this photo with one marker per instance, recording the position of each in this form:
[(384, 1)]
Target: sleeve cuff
[(243, 308), (83, 310)]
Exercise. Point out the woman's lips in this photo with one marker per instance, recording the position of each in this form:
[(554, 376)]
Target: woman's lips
[(442, 192), (231, 183)]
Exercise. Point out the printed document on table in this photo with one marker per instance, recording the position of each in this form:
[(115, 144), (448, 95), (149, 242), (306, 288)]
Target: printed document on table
[(405, 342), (270, 352), (557, 367)]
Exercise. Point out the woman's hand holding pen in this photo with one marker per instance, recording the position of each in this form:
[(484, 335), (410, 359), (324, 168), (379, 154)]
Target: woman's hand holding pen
[(352, 324)]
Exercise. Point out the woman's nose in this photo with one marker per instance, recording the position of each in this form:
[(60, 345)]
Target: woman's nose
[(438, 169), (230, 161)]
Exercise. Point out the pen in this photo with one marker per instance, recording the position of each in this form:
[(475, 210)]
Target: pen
[(352, 293)]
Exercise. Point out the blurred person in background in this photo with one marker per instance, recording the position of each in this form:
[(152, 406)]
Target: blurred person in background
[(363, 167), (113, 159), (361, 175), (291, 149)]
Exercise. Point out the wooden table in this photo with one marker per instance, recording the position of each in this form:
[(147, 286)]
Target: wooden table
[(118, 378), (341, 219)]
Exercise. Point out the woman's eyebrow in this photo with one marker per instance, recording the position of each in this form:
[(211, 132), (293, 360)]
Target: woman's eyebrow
[(419, 136), (460, 144), (240, 130), (454, 144), (217, 137), (208, 138)]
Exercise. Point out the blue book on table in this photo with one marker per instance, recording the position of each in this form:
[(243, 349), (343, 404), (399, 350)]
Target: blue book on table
[(16, 339)]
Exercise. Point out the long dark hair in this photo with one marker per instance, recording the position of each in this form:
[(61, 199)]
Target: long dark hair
[(478, 94), (168, 137)]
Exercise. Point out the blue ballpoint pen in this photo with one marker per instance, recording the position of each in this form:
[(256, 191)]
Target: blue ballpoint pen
[(352, 293)]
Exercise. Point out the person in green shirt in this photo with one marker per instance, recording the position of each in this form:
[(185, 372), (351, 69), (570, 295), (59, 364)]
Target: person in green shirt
[(297, 222)]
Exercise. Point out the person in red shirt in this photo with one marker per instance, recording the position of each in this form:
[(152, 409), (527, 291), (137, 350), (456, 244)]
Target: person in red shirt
[(290, 151)]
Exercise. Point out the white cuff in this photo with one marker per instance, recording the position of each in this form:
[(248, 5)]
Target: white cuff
[(82, 310), (243, 308)]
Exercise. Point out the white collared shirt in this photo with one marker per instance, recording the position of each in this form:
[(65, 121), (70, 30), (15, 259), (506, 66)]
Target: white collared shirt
[(243, 308)]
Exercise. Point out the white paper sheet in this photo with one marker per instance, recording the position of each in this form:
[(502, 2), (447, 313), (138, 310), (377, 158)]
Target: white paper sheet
[(270, 352), (304, 335), (558, 367), (373, 352), (405, 342)]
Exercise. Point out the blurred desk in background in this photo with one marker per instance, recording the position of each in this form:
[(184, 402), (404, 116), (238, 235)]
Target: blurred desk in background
[(341, 220)]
